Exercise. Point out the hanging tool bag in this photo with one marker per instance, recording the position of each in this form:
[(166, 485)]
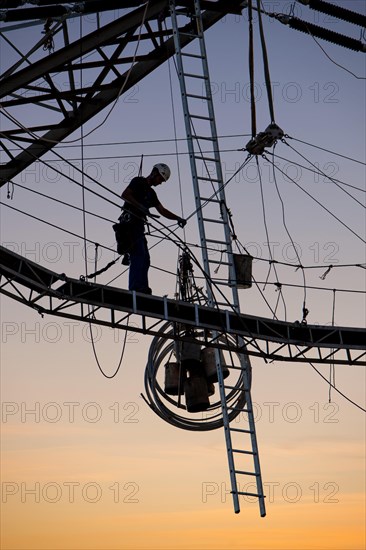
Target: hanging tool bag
[(126, 232)]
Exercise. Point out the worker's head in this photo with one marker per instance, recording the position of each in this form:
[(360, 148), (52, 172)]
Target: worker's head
[(160, 173)]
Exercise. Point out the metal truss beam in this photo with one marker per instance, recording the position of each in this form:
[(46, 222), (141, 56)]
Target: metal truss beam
[(50, 80), (55, 294)]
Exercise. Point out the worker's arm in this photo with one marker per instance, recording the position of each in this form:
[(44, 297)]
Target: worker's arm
[(170, 215)]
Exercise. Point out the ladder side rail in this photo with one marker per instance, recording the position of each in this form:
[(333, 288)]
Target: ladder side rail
[(246, 367), (218, 165), (228, 439), (191, 148)]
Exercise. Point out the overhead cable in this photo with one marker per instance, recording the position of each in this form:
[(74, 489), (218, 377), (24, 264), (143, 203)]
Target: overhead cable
[(265, 63), (76, 182), (326, 150), (271, 263), (317, 172), (324, 174), (315, 200), (251, 68), (61, 202), (52, 225), (335, 62)]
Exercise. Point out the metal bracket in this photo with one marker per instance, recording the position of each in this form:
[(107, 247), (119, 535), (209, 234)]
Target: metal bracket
[(264, 139)]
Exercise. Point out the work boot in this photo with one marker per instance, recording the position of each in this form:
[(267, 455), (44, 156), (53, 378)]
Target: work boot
[(145, 290), (126, 259)]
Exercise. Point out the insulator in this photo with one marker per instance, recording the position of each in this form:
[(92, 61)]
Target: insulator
[(336, 11), (325, 34)]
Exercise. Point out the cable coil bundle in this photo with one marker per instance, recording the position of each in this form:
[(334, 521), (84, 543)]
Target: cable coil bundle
[(165, 406)]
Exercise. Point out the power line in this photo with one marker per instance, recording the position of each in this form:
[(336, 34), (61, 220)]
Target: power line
[(334, 62), (325, 175), (196, 245), (317, 172), (327, 150), (335, 388), (61, 202), (138, 142), (318, 202), (53, 225), (64, 160), (271, 263), (77, 183)]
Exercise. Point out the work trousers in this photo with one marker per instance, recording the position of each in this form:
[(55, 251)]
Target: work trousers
[(139, 263)]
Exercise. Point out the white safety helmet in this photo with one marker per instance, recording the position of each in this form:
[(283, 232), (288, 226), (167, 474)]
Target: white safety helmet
[(163, 170)]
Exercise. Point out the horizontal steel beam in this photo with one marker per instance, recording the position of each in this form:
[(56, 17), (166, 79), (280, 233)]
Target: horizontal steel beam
[(57, 294), (49, 9)]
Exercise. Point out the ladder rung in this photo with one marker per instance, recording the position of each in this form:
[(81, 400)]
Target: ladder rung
[(244, 452), (210, 159), (246, 473), (209, 179), (202, 117), (212, 220), (217, 242), (220, 263), (248, 494), (209, 199), (204, 137), (237, 389), (192, 55), (189, 34), (197, 96), (193, 75), (241, 410)]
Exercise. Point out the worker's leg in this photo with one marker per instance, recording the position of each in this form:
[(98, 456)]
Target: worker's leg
[(139, 265)]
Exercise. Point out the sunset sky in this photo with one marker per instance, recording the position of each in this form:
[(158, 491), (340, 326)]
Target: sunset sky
[(85, 463)]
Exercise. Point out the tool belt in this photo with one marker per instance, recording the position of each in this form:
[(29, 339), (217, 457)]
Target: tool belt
[(127, 231)]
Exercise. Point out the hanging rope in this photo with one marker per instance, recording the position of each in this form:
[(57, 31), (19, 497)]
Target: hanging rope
[(251, 69), (176, 141), (322, 277), (332, 366), (271, 263), (305, 310), (265, 63), (10, 194), (96, 272), (140, 167), (82, 162)]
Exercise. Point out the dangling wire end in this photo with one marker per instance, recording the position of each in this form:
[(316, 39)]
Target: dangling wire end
[(305, 313), (322, 277)]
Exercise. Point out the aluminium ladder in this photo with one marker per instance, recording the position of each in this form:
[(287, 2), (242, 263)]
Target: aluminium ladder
[(214, 229)]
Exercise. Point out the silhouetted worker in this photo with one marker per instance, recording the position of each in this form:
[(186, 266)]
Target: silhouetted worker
[(139, 196)]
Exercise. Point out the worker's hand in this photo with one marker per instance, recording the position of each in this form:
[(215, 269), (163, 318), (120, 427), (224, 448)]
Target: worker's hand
[(182, 222), (144, 210)]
